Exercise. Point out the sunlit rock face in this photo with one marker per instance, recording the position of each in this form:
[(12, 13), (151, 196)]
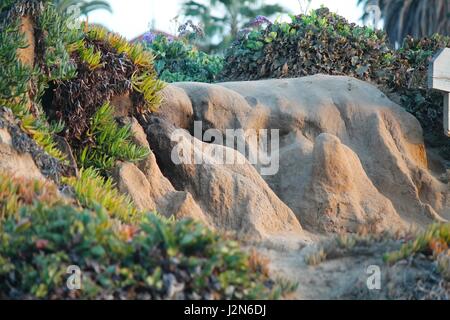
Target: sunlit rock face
[(349, 158)]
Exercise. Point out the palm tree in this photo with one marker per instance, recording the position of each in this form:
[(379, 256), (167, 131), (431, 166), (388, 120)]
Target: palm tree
[(417, 18), (84, 5), (223, 19)]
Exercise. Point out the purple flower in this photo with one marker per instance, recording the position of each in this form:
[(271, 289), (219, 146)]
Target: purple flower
[(259, 21), (149, 37)]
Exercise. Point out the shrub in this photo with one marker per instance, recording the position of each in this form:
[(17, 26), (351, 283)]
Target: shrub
[(107, 66), (323, 42), (176, 60), (158, 260), (76, 72), (434, 243)]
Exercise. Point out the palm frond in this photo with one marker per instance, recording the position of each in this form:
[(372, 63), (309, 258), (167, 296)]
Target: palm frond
[(416, 18)]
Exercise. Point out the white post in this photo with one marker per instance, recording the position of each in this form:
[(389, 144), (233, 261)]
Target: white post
[(439, 79), (447, 114)]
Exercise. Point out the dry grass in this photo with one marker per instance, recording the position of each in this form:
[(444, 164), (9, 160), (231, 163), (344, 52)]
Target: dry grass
[(258, 263)]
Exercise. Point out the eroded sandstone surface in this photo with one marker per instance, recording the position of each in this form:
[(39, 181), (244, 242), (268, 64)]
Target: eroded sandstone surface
[(349, 157)]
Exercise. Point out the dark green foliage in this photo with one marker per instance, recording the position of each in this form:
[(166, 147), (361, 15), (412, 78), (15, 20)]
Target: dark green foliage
[(323, 42), (107, 66), (6, 4), (148, 262), (177, 61)]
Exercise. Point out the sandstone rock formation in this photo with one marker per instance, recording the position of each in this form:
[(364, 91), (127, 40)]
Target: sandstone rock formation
[(12, 161), (149, 189), (234, 197), (349, 160), (339, 197), (20, 155), (369, 170)]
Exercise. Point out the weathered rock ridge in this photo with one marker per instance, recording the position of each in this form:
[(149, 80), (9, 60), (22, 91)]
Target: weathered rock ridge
[(349, 158)]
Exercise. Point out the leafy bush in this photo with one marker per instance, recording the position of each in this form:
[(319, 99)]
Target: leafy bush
[(160, 259), (53, 30), (323, 42), (177, 61), (76, 72), (15, 75)]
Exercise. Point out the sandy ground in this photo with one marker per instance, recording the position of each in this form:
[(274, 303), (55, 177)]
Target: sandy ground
[(345, 276)]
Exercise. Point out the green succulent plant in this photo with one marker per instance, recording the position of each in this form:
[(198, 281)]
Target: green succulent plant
[(93, 191), (121, 261), (177, 61), (111, 143)]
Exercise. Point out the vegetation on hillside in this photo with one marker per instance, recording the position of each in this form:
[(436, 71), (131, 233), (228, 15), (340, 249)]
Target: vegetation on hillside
[(83, 220), (66, 92), (153, 259)]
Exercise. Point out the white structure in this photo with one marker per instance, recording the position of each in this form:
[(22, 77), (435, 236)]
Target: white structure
[(439, 79)]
